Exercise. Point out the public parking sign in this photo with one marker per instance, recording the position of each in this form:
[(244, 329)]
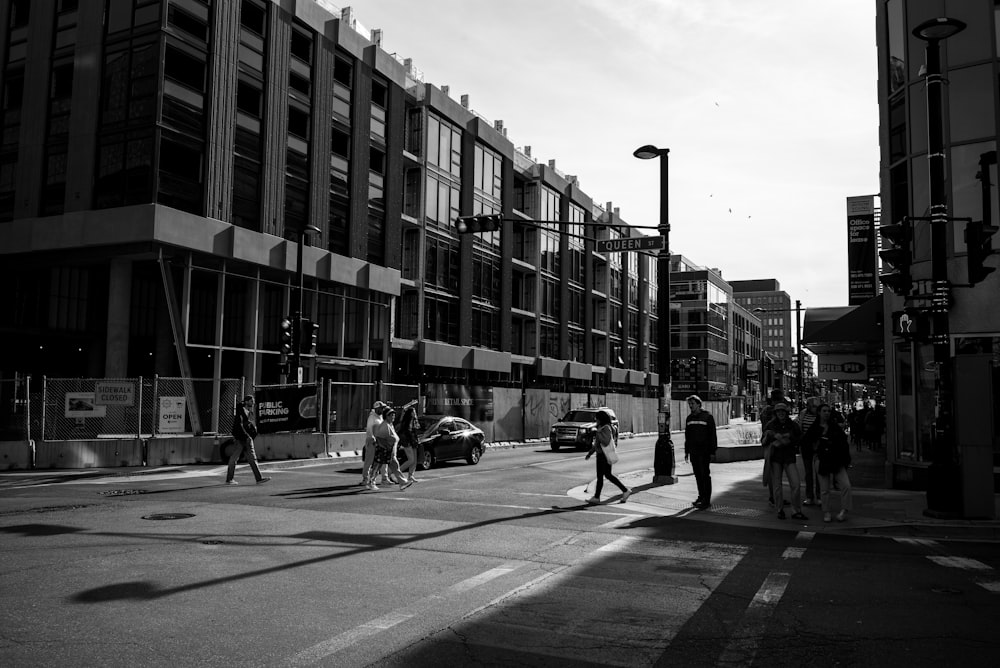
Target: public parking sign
[(630, 244)]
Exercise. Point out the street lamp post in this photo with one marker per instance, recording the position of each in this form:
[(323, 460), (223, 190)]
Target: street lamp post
[(944, 474), (663, 457), (297, 343)]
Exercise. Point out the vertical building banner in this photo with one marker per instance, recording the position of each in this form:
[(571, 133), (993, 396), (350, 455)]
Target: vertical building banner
[(862, 269)]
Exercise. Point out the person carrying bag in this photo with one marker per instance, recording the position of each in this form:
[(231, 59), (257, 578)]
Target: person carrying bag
[(604, 445)]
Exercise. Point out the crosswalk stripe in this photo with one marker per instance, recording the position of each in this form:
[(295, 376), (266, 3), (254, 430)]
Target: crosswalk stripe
[(375, 626), (742, 648), (960, 562)]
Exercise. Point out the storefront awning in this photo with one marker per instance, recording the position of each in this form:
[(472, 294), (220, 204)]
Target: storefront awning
[(844, 329)]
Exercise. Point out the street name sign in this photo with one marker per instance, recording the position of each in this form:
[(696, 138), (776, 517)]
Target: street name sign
[(630, 244)]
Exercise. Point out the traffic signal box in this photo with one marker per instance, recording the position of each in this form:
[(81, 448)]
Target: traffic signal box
[(287, 336), (898, 255), (476, 224), (979, 246), (310, 335)]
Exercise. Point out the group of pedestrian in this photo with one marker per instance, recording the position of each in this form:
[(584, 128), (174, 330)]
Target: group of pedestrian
[(867, 426), (382, 441), (383, 438), (818, 435)]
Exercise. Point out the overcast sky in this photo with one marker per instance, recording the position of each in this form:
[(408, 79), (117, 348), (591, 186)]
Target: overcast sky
[(768, 107)]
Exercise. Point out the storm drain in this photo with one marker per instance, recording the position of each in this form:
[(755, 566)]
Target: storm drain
[(122, 492), (168, 516)]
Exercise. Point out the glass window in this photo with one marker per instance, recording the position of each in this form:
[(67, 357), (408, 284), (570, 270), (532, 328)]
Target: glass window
[(967, 191), (897, 45), (970, 103)]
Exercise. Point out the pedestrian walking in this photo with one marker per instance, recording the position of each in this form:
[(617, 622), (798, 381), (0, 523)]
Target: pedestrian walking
[(766, 415), (386, 441), (806, 418), (833, 456), (244, 431), (374, 419), (700, 443), (605, 444), (409, 433), (783, 435)]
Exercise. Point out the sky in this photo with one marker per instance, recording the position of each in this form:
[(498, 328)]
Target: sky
[(769, 109)]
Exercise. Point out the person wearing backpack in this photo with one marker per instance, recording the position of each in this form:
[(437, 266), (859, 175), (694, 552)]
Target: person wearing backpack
[(244, 431)]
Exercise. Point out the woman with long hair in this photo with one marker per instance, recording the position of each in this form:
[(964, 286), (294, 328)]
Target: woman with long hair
[(605, 438), (833, 456)]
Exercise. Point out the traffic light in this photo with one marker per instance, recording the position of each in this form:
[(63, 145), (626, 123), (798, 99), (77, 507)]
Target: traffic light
[(310, 335), (899, 256), (979, 246), (476, 224), (287, 336)]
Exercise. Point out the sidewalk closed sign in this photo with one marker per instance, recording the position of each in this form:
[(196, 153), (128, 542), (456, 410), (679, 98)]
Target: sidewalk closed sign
[(114, 393), (172, 413)]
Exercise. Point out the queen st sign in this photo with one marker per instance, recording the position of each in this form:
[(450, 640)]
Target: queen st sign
[(630, 244)]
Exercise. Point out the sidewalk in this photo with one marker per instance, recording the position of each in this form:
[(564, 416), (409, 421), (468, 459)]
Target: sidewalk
[(739, 498)]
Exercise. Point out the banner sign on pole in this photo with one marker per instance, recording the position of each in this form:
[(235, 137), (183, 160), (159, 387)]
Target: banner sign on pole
[(861, 243)]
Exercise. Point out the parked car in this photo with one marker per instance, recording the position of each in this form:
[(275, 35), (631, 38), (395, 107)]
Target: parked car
[(577, 428), (445, 437)]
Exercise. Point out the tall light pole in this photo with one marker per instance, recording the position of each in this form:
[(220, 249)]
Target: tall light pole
[(944, 475), (798, 342), (798, 349), (663, 457), (299, 332)]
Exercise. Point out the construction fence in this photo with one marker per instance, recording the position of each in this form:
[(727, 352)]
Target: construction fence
[(75, 409)]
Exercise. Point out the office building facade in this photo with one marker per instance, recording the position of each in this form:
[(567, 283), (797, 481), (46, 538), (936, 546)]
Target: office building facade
[(158, 189)]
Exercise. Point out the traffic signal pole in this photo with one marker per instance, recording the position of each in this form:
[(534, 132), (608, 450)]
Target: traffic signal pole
[(944, 484)]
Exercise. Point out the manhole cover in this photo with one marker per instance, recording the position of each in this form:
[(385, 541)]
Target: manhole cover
[(122, 492), (168, 516)]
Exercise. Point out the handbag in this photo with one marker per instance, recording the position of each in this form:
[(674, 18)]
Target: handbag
[(610, 453)]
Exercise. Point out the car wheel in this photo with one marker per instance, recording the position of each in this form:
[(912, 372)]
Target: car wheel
[(425, 458), (474, 454), (554, 446)]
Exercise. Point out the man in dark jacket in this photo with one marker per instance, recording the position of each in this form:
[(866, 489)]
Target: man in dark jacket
[(244, 431), (700, 443)]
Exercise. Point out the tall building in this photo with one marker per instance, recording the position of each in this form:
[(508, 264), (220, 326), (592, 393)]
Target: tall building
[(712, 338), (164, 164), (765, 298), (968, 184)]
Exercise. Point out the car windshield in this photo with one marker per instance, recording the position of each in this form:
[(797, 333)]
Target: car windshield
[(581, 416)]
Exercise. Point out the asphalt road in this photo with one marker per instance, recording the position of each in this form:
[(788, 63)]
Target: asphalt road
[(487, 565)]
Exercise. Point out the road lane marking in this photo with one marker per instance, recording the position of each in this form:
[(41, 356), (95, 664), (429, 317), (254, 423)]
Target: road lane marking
[(320, 651), (941, 557), (742, 648), (959, 562)]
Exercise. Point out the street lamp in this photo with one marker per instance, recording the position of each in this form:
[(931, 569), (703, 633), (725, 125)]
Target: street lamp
[(798, 343), (663, 457), (297, 344), (944, 473)]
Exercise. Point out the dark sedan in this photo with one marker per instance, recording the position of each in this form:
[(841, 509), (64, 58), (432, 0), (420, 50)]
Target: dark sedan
[(444, 438)]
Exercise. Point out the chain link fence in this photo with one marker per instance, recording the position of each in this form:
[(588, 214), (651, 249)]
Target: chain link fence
[(95, 408)]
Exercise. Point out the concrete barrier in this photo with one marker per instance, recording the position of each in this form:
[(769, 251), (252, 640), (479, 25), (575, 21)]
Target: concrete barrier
[(102, 453), (15, 455)]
